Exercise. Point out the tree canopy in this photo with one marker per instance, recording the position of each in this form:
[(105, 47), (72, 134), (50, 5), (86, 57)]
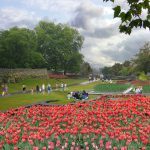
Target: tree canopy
[(140, 63), (60, 45), (132, 17), (52, 46), (142, 59), (18, 49)]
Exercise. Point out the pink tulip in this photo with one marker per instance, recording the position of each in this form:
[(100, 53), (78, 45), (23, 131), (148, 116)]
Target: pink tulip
[(35, 148), (44, 148)]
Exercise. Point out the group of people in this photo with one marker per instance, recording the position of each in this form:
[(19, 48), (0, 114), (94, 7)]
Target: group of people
[(43, 89), (78, 95), (4, 90), (136, 90), (38, 89)]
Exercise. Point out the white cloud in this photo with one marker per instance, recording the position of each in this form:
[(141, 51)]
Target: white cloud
[(10, 17), (53, 5), (103, 45)]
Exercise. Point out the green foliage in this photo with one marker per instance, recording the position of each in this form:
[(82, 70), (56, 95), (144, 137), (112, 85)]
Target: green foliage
[(143, 76), (133, 16), (85, 69), (18, 49), (49, 45), (59, 45), (139, 63), (142, 59)]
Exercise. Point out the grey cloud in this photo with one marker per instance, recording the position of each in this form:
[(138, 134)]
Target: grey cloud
[(84, 14), (81, 21), (128, 48), (105, 32), (90, 20)]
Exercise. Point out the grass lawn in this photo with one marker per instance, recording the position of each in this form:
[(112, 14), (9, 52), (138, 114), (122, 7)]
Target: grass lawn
[(31, 83), (111, 87), (56, 97), (117, 88)]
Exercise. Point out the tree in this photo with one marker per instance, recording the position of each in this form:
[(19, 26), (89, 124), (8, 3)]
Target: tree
[(86, 69), (18, 48), (142, 59), (133, 16), (116, 68), (59, 45), (107, 72)]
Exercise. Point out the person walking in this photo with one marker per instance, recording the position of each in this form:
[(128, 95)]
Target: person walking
[(3, 90), (43, 88), (24, 88), (37, 89), (56, 87), (62, 86), (6, 89), (49, 88), (65, 87), (32, 91)]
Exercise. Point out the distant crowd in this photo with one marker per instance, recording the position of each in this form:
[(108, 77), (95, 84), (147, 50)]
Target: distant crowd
[(37, 89), (45, 89)]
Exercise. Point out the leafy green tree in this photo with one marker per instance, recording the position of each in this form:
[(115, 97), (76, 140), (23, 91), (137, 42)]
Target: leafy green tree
[(18, 48), (107, 72), (73, 63), (142, 76), (86, 69), (133, 16), (59, 45), (115, 69), (126, 69), (142, 59)]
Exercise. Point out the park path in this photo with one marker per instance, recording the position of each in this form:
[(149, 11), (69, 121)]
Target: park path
[(88, 82), (28, 91), (82, 83)]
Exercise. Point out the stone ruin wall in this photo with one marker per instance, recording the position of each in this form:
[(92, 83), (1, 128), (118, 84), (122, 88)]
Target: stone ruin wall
[(12, 75)]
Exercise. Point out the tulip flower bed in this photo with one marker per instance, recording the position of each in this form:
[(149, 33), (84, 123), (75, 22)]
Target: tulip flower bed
[(97, 124)]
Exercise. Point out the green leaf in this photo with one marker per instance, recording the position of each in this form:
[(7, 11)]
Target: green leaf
[(117, 11), (128, 16), (146, 4), (136, 23), (146, 23), (122, 28), (6, 147), (122, 16)]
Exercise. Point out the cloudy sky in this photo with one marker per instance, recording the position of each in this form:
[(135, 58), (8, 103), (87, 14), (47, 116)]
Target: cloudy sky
[(103, 45)]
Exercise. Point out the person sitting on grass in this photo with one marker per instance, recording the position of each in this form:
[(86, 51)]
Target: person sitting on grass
[(139, 90), (84, 95), (80, 95)]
